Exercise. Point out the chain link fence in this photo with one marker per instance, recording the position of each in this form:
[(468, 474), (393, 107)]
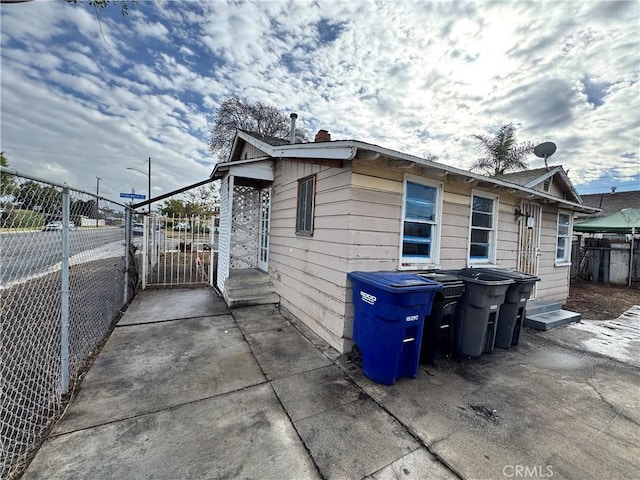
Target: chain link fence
[(67, 269)]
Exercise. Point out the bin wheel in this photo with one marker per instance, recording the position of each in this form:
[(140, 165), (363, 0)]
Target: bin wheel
[(356, 356)]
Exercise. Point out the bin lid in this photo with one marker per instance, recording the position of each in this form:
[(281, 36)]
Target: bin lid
[(443, 278), (518, 277), (483, 277), (396, 282)]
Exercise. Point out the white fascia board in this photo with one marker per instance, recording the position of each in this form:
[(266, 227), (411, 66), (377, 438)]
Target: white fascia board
[(262, 170), (223, 167), (312, 152), (543, 177), (259, 144)]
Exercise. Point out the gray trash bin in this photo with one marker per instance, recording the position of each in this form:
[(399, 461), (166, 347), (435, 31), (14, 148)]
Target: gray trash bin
[(513, 309), (478, 311)]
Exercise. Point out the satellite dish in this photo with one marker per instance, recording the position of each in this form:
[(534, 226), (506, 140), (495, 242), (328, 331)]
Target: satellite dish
[(545, 150)]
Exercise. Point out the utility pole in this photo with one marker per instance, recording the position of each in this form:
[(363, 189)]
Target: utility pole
[(97, 197), (149, 186)]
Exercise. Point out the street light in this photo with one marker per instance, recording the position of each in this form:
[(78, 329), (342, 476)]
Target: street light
[(148, 174)]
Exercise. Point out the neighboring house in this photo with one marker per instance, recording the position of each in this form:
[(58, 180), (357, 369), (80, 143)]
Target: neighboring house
[(613, 202), (307, 214)]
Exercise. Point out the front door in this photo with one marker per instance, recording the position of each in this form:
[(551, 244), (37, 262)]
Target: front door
[(529, 241), (265, 217)]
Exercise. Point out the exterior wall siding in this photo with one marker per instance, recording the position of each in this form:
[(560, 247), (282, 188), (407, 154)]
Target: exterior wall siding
[(554, 280), (357, 225), (249, 151), (309, 273)]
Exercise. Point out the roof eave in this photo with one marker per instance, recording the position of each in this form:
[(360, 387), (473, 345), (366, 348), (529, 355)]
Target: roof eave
[(348, 150)]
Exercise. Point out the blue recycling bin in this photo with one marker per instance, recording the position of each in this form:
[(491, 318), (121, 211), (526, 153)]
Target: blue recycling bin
[(389, 317)]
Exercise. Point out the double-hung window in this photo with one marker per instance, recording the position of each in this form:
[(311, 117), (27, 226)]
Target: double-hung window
[(420, 223), (484, 224), (306, 200), (563, 242)]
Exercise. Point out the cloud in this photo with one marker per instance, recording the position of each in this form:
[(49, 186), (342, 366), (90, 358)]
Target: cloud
[(420, 77)]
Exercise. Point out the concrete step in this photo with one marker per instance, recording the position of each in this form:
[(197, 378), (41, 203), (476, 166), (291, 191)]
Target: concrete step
[(254, 290), (250, 300), (535, 308), (552, 319), (243, 278)]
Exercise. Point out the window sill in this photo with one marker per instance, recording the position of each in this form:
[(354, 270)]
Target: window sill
[(481, 265), (563, 264), (420, 266)]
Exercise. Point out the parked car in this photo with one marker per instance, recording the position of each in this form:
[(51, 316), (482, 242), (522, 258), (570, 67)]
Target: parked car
[(57, 226), (182, 226), (138, 229)]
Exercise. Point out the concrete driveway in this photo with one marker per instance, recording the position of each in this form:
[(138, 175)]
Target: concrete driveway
[(185, 388)]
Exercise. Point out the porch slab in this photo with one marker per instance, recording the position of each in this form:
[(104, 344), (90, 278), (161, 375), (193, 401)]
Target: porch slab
[(259, 318), (310, 393), (362, 439), (283, 352), (173, 304), (549, 320), (147, 367), (539, 405), (419, 464), (243, 434)]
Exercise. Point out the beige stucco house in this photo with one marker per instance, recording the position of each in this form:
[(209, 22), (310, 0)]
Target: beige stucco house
[(306, 214)]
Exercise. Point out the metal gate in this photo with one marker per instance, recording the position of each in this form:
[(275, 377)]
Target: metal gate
[(529, 240), (177, 251)]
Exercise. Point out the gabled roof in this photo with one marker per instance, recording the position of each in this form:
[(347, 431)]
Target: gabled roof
[(612, 202), (537, 176), (357, 150)]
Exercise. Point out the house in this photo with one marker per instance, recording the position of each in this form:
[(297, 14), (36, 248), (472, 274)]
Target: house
[(306, 214), (612, 202)]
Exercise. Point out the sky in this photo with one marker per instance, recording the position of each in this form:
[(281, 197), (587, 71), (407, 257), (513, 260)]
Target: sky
[(88, 94)]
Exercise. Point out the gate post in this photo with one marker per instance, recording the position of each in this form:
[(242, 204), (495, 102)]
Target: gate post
[(127, 250), (145, 251), (64, 296)]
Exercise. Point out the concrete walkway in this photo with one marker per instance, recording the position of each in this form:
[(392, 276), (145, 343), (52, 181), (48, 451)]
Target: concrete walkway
[(185, 388)]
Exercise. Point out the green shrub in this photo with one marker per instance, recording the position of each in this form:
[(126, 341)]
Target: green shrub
[(23, 219)]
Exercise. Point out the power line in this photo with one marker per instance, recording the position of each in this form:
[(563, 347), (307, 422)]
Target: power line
[(65, 153)]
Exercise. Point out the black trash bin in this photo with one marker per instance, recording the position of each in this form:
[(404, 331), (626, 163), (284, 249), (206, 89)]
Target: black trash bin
[(437, 333), (389, 310), (478, 311), (513, 309)]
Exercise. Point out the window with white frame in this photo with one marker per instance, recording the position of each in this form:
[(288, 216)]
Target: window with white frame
[(563, 243), (420, 222), (483, 229), (304, 212)]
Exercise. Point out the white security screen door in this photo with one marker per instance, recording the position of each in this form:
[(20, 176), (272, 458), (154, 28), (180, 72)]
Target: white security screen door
[(265, 218), (529, 241)]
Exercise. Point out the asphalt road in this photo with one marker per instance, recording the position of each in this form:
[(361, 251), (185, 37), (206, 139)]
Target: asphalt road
[(24, 254)]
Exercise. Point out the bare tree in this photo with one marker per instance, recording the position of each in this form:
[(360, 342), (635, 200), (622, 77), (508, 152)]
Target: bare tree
[(239, 113), (501, 153), (97, 4)]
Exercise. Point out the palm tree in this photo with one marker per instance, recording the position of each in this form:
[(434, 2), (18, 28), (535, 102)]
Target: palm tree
[(501, 153)]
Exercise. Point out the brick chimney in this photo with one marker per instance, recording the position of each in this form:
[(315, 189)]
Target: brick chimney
[(323, 136)]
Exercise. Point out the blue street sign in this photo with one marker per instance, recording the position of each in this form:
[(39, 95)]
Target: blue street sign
[(132, 195)]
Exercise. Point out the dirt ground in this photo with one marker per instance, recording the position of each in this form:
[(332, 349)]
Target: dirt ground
[(598, 301)]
